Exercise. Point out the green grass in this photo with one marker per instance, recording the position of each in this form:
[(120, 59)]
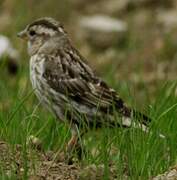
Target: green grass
[(141, 155), (133, 152)]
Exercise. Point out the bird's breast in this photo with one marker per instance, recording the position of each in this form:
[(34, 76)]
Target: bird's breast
[(36, 76), (43, 91)]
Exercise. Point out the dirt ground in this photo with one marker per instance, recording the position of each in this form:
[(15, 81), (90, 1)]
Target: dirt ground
[(37, 165)]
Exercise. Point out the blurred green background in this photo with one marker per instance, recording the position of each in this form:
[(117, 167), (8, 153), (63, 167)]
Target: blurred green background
[(145, 58)]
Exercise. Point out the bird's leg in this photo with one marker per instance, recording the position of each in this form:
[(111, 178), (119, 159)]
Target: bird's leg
[(74, 144), (74, 139)]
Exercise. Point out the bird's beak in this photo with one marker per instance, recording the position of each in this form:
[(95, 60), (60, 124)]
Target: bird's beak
[(23, 35)]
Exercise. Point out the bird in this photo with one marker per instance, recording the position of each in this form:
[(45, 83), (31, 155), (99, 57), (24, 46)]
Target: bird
[(68, 87)]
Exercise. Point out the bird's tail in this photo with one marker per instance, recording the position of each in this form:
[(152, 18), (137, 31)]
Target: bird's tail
[(137, 120)]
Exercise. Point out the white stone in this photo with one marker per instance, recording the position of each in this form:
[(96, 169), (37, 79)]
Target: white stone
[(103, 23), (168, 19), (102, 31), (6, 48)]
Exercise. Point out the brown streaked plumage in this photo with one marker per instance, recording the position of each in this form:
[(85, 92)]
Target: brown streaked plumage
[(67, 86)]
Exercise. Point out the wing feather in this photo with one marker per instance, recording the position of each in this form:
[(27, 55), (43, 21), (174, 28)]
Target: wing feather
[(75, 79)]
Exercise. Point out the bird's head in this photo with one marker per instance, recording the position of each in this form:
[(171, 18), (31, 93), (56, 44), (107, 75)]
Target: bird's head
[(41, 31)]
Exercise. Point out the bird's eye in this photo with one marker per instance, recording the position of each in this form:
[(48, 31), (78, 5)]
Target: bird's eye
[(32, 33)]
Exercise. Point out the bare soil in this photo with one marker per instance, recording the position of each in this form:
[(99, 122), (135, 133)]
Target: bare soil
[(38, 165)]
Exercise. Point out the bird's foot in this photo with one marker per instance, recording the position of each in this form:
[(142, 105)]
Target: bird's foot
[(74, 151)]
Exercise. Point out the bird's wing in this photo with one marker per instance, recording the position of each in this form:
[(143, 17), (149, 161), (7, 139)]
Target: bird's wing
[(73, 78)]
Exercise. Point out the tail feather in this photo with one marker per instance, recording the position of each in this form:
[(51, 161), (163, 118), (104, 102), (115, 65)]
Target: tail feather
[(144, 119), (129, 114), (142, 122)]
